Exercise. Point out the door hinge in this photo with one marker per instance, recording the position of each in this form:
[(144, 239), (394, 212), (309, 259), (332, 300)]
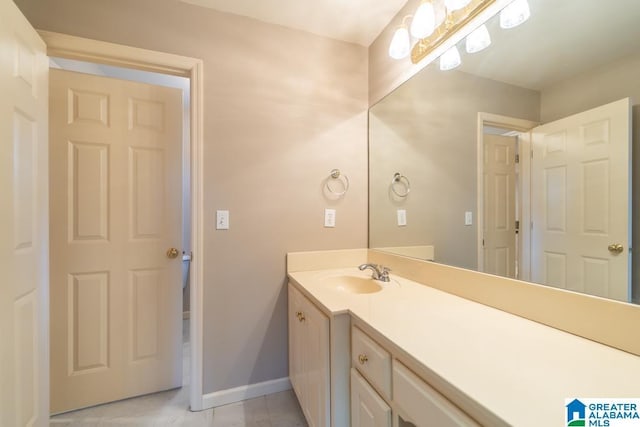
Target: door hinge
[(517, 226), (517, 158)]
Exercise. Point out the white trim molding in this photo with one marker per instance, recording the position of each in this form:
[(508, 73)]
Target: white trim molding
[(66, 46), (237, 394)]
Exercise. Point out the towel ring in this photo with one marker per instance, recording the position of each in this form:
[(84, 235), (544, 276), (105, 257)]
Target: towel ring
[(335, 176), (400, 179)]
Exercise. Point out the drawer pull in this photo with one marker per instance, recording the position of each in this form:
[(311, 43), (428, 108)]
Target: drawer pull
[(300, 316), (363, 359)]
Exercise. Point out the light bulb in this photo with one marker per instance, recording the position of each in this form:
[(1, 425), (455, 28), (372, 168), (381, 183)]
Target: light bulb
[(514, 14), (450, 59), (400, 43), (424, 20), (456, 4), (478, 40)]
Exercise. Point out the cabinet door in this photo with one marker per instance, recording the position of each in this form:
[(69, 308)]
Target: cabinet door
[(316, 365), (309, 360), (296, 345), (367, 408)]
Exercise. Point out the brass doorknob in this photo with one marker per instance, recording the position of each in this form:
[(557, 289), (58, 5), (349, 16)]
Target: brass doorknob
[(362, 358), (615, 248), (172, 253)]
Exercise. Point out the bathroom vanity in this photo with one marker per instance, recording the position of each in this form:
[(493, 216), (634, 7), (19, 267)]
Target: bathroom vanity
[(408, 354)]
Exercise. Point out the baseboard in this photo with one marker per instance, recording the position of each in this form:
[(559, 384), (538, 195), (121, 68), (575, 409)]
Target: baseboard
[(238, 394)]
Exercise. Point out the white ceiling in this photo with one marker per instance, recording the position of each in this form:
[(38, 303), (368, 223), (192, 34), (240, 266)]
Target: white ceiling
[(354, 21)]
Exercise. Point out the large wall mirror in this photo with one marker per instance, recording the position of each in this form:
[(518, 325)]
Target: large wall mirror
[(519, 161)]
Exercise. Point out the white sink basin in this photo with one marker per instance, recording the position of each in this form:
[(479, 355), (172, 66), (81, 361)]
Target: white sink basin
[(354, 284)]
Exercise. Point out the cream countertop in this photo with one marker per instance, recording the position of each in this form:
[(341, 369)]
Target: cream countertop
[(519, 370)]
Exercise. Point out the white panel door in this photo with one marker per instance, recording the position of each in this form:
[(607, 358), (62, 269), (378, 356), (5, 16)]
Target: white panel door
[(499, 215), (580, 197), (116, 296), (24, 371)]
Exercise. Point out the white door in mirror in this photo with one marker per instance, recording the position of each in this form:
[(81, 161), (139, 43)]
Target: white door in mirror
[(499, 201), (579, 189)]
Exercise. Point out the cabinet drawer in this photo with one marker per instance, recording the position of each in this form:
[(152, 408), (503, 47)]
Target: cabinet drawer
[(422, 404), (372, 361), (367, 407)]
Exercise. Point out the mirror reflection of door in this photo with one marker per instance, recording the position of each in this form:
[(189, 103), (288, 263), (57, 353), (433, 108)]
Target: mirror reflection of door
[(580, 197), (499, 217)]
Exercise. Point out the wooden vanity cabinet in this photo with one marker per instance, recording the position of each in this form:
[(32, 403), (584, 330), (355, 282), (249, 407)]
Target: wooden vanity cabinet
[(381, 385), (309, 358), (344, 376)]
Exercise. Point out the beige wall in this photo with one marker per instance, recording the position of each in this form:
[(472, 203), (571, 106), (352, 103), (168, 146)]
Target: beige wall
[(282, 108), (427, 130), (592, 88)]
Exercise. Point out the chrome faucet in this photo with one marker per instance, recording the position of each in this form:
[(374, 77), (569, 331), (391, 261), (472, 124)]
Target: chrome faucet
[(378, 272)]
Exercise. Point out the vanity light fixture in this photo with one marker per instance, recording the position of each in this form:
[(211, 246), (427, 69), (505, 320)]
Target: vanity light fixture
[(401, 42), (424, 20), (478, 40), (436, 20), (450, 59), (514, 14), (456, 4), (432, 24)]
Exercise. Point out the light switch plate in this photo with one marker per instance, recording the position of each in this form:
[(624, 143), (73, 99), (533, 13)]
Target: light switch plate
[(402, 217), (468, 218), (222, 220), (329, 217)]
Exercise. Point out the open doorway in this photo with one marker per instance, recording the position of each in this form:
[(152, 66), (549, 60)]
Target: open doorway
[(503, 195), (158, 182)]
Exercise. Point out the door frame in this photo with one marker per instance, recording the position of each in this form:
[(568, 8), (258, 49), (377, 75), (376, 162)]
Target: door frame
[(72, 47), (524, 201)]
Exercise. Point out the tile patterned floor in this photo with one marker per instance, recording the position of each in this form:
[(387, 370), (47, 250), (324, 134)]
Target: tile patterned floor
[(170, 408)]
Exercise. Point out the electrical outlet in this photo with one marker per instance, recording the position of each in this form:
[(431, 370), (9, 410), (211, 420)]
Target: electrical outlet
[(329, 218)]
